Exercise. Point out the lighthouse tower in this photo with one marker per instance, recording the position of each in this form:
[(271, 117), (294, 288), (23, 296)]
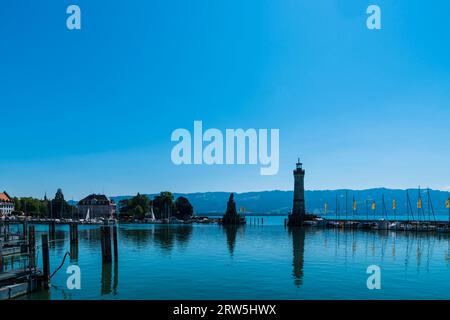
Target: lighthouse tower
[(298, 210)]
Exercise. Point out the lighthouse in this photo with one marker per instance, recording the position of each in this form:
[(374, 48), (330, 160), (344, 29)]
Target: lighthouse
[(298, 210)]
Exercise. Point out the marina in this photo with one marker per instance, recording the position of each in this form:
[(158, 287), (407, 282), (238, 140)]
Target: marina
[(40, 272), (138, 243), (211, 261)]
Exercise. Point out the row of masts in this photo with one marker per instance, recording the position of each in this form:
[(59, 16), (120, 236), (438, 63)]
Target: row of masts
[(420, 215)]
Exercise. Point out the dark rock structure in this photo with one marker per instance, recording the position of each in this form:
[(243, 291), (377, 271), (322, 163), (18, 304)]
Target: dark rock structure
[(231, 234), (231, 216)]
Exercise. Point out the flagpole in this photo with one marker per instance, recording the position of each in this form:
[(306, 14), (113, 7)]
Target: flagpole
[(346, 205), (367, 211), (395, 212), (447, 205), (337, 207)]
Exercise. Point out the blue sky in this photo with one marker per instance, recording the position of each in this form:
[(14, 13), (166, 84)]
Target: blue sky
[(93, 110)]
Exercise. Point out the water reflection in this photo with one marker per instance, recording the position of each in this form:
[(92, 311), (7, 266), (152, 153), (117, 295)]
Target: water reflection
[(166, 236), (231, 233), (90, 235), (106, 278), (415, 262), (298, 245), (137, 236), (116, 278), (163, 236), (74, 251), (416, 248)]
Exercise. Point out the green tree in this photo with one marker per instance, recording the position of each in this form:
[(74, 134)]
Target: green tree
[(59, 207), (138, 212), (30, 206), (163, 205), (136, 207), (183, 208)]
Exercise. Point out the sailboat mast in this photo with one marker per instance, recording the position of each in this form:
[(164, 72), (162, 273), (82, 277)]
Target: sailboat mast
[(410, 206), (430, 206), (449, 210), (346, 205), (367, 210)]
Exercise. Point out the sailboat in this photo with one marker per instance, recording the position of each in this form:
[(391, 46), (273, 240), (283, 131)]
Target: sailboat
[(152, 214), (150, 217), (87, 218)]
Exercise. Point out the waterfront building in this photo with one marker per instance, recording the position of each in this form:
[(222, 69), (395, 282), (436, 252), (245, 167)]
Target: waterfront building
[(298, 214), (97, 205), (6, 204)]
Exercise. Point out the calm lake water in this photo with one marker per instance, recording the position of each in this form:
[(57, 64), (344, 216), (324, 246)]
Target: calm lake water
[(252, 262)]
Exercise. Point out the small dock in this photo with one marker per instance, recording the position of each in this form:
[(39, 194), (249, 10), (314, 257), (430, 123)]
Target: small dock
[(381, 224), (18, 273)]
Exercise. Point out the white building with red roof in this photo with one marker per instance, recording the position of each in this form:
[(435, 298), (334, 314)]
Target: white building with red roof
[(6, 204)]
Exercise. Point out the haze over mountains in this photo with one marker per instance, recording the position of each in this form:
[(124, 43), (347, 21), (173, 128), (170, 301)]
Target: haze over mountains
[(280, 202)]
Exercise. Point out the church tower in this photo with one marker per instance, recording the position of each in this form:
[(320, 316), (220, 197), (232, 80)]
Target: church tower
[(298, 209)]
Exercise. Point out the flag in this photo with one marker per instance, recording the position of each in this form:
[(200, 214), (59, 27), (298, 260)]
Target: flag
[(447, 204), (394, 204), (419, 204), (374, 206)]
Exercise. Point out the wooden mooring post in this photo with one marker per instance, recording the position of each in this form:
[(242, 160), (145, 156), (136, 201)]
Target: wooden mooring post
[(73, 232), (1, 256), (116, 250), (73, 227), (45, 262), (5, 231), (52, 229), (24, 229), (32, 246), (106, 243)]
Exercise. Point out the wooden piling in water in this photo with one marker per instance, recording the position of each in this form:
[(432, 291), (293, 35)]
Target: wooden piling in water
[(45, 262), (73, 231), (116, 250), (24, 229), (32, 245), (106, 243), (1, 257), (52, 229), (73, 228)]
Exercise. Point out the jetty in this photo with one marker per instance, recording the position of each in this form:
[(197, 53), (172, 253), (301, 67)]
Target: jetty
[(422, 220), (394, 225), (19, 274)]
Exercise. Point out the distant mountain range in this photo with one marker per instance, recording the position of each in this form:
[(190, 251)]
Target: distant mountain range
[(280, 202)]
